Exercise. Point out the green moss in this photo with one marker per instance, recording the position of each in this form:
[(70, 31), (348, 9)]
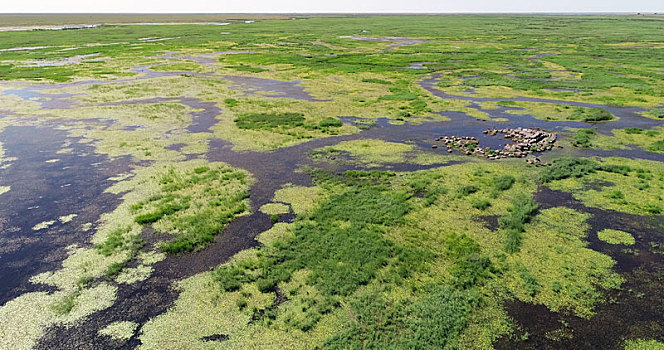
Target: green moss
[(615, 237)]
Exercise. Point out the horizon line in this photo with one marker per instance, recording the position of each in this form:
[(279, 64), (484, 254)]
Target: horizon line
[(334, 13)]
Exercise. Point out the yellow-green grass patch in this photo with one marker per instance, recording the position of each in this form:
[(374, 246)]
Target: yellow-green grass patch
[(616, 237)]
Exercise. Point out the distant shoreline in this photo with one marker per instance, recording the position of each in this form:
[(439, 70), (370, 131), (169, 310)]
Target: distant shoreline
[(55, 21)]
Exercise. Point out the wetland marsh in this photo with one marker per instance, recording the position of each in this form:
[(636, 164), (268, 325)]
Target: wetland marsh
[(282, 183)]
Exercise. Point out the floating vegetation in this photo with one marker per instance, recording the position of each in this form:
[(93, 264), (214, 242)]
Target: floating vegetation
[(43, 225), (120, 330), (67, 218), (376, 153), (615, 237), (637, 185), (275, 208), (367, 245), (641, 344), (195, 204)]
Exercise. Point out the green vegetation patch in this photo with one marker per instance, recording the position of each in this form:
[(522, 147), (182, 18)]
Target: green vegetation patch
[(616, 237), (270, 121), (649, 140), (195, 204), (375, 153), (554, 267), (522, 210), (430, 323), (590, 114), (641, 344), (285, 123), (120, 330), (635, 186), (397, 260), (275, 208), (582, 138)]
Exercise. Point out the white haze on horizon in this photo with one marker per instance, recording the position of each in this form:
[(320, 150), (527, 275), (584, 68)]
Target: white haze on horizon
[(338, 6)]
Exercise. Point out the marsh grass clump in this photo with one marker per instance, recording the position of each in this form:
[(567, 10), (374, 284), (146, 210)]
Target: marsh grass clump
[(269, 121), (523, 208), (633, 131), (657, 146), (230, 102), (340, 258), (467, 190), (481, 204), (330, 122), (582, 138), (194, 204), (376, 81), (470, 265), (503, 182), (66, 304), (566, 167), (287, 123), (432, 322), (590, 114), (118, 240)]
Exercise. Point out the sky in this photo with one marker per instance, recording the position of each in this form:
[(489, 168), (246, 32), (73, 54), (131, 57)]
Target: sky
[(326, 6)]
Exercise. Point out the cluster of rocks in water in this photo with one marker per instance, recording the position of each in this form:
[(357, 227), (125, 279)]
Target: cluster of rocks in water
[(525, 141)]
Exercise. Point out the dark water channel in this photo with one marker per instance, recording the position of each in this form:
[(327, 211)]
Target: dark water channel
[(43, 191)]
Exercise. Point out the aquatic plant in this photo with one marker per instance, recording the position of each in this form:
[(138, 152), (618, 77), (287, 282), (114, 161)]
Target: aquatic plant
[(565, 167), (523, 208), (616, 237), (582, 138), (196, 204)]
